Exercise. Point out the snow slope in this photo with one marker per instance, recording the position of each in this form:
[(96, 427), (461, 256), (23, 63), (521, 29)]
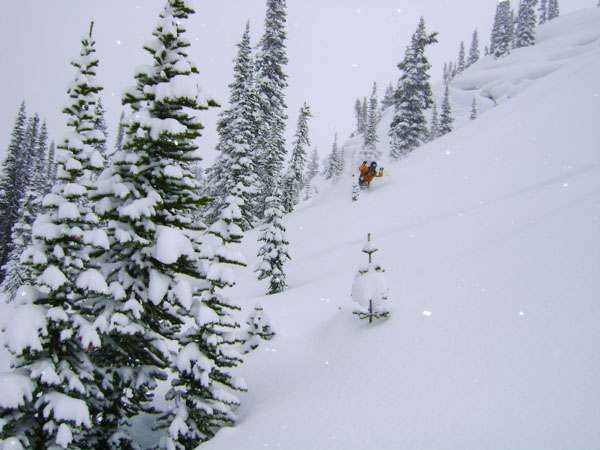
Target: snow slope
[(490, 237)]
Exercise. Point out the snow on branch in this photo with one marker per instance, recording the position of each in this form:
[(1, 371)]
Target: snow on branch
[(14, 390)]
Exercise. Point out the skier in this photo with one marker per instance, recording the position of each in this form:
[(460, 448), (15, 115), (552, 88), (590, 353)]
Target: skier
[(367, 173)]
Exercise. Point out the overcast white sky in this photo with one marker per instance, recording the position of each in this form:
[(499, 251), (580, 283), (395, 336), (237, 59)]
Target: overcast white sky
[(336, 50)]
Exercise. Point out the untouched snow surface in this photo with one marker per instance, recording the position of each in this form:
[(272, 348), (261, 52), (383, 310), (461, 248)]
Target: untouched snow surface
[(490, 239)]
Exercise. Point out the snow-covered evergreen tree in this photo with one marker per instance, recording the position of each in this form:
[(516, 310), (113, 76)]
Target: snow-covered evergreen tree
[(453, 70), (10, 197), (553, 9), (502, 30), (10, 179), (17, 273), (461, 58), (293, 181), (100, 125), (44, 160), (314, 166), (55, 359), (202, 394), (120, 133), (370, 138), (543, 10), (273, 252), (474, 112), (360, 117), (474, 49), (370, 289), (388, 98), (32, 133), (446, 73), (148, 197), (51, 168), (526, 23), (258, 328), (335, 163), (342, 162), (446, 118), (271, 80), (434, 127), (409, 126), (235, 166)]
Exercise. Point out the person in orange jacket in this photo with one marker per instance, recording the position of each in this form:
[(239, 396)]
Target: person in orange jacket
[(367, 173)]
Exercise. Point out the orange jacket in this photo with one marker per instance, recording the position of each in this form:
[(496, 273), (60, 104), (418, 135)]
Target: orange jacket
[(367, 175)]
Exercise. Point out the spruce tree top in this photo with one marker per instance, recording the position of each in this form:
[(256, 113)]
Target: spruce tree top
[(415, 78), (159, 149), (369, 248), (272, 55), (243, 69), (77, 151)]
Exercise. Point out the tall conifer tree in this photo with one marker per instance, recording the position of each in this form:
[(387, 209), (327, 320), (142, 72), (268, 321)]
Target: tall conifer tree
[(271, 81), (235, 166), (553, 9), (434, 128), (51, 168), (31, 205), (312, 171), (446, 118), (461, 58), (57, 361), (360, 119), (10, 194), (370, 139), (313, 165), (120, 133), (446, 73), (502, 30), (543, 12), (409, 126), (156, 266), (293, 181), (526, 23), (31, 140), (388, 98), (335, 164), (474, 49)]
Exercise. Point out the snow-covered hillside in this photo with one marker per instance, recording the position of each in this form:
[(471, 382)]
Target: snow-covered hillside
[(490, 237)]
